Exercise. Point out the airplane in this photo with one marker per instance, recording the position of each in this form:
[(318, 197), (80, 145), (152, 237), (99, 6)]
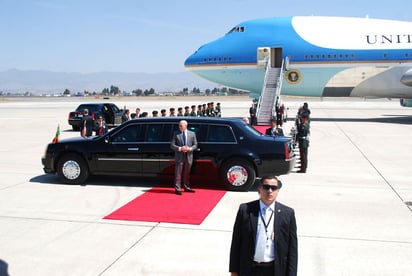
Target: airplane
[(316, 56)]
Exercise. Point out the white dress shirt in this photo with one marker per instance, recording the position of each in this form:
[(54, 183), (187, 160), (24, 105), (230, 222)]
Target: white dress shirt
[(265, 248)]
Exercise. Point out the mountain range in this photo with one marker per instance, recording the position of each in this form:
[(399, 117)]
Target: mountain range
[(47, 82)]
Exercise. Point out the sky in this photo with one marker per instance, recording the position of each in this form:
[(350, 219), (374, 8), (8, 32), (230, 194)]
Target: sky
[(149, 36)]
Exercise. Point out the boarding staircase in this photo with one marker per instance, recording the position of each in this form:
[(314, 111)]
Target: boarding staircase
[(266, 107)]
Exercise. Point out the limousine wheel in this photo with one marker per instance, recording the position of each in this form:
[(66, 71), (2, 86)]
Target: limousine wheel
[(238, 175), (72, 169)]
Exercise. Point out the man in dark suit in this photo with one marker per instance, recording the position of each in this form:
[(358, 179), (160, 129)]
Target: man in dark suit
[(87, 124), (252, 113), (274, 130), (184, 143), (100, 126), (264, 240)]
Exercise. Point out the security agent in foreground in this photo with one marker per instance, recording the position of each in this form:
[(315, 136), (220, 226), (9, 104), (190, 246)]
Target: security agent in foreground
[(264, 240)]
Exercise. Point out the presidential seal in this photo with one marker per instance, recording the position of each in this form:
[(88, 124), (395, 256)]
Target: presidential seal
[(293, 76)]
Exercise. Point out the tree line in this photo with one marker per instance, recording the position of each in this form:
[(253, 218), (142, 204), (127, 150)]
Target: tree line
[(116, 91)]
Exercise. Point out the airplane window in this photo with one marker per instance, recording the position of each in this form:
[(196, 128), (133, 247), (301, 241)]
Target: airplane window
[(232, 30), (237, 30)]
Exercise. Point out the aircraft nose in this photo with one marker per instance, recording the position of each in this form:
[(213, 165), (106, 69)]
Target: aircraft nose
[(191, 60), (188, 60)]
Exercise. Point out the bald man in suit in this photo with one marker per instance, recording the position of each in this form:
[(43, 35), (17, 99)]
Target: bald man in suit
[(264, 240), (184, 143)]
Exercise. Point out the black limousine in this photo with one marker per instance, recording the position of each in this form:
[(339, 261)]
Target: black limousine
[(229, 150), (110, 112)]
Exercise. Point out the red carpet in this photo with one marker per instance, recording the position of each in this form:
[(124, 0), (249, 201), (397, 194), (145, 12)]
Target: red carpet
[(261, 129), (160, 204)]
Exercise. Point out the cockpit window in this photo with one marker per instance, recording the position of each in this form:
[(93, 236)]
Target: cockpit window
[(237, 29)]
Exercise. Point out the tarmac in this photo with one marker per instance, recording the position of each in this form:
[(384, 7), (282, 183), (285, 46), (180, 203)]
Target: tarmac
[(353, 206)]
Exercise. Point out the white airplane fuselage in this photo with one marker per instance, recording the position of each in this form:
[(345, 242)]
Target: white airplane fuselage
[(322, 57)]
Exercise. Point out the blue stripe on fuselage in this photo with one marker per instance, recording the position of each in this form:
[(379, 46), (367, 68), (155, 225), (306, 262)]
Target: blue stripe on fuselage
[(232, 59), (241, 47)]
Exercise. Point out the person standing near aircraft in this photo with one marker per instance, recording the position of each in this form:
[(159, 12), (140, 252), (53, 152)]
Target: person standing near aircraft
[(218, 110), (252, 113), (303, 139), (264, 239), (100, 126), (184, 142), (126, 115), (87, 123), (306, 110), (193, 113), (279, 114), (137, 112), (199, 112), (274, 130), (187, 111)]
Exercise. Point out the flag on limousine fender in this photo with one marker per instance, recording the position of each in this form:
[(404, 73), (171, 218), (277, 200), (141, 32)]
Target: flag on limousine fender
[(56, 137)]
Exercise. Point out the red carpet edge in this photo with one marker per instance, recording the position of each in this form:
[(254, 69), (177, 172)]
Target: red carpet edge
[(161, 204)]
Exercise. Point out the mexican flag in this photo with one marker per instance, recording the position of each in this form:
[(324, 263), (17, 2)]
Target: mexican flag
[(56, 137)]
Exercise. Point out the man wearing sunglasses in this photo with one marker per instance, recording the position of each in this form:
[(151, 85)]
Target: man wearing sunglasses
[(264, 240)]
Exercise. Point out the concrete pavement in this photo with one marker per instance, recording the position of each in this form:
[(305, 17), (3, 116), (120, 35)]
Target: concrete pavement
[(351, 207)]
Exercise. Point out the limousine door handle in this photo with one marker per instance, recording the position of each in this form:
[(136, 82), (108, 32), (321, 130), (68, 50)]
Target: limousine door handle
[(134, 149)]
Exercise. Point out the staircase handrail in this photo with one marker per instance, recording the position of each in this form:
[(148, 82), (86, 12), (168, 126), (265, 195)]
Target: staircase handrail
[(279, 84), (267, 69)]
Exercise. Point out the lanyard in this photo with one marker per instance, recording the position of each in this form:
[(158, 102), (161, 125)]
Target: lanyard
[(266, 224)]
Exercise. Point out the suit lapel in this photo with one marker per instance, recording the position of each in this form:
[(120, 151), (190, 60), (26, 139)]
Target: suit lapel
[(180, 137), (189, 138), (254, 219), (277, 221)]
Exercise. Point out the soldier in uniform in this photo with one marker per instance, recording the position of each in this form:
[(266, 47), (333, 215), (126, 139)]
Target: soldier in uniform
[(199, 111), (303, 139), (187, 111), (193, 112), (218, 110)]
